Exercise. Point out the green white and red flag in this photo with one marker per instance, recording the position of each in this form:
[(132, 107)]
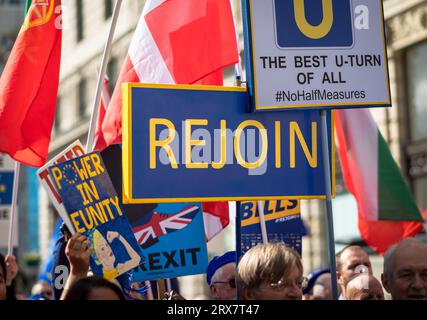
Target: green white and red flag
[(387, 209)]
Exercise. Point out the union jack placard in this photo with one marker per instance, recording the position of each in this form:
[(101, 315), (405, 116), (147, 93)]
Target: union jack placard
[(172, 238), (161, 224)]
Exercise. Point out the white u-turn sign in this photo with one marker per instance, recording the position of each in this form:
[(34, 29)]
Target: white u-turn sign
[(316, 54)]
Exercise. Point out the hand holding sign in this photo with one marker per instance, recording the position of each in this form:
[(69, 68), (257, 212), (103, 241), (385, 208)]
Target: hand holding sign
[(78, 254)]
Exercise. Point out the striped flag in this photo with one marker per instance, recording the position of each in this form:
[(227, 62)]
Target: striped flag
[(387, 210), (215, 217), (176, 41)]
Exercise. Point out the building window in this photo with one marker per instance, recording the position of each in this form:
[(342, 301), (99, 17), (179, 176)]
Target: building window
[(57, 122), (416, 146), (82, 98), (108, 9), (417, 91), (79, 19), (420, 186), (112, 74)]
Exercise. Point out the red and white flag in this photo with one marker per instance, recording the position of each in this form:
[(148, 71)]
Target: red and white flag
[(177, 42), (215, 217)]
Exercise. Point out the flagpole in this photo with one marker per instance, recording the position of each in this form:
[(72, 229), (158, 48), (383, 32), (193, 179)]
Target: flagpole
[(101, 75), (238, 67), (168, 285), (13, 208), (262, 222), (238, 244), (150, 295), (15, 184), (329, 215)]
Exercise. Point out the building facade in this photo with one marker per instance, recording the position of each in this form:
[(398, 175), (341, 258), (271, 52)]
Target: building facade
[(11, 17)]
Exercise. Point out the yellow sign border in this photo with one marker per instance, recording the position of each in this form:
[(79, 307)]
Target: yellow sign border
[(314, 106), (127, 150)]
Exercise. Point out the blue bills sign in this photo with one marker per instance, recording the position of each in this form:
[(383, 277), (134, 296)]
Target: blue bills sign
[(283, 224), (188, 143)]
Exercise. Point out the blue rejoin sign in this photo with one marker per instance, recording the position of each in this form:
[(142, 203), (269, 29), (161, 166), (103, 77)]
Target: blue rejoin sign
[(189, 143), (315, 23)]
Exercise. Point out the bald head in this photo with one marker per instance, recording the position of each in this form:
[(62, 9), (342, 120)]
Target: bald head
[(364, 287), (351, 260), (405, 270)]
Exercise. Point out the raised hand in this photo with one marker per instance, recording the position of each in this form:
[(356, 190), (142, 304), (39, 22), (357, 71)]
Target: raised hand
[(78, 254)]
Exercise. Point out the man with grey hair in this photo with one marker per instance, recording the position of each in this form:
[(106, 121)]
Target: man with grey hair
[(405, 270)]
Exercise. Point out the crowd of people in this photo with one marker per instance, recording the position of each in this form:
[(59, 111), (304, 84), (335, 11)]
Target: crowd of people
[(275, 272), (265, 272)]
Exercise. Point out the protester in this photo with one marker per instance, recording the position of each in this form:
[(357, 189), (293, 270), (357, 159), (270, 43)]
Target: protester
[(9, 270), (3, 273), (78, 253), (41, 291), (319, 285), (271, 272), (94, 288), (350, 261), (221, 276), (405, 270), (364, 286), (60, 263), (12, 269), (311, 280)]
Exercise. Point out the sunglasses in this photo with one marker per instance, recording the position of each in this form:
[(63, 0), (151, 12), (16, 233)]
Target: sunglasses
[(231, 283)]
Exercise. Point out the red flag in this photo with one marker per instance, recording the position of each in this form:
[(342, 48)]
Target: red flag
[(29, 85), (176, 41), (380, 235)]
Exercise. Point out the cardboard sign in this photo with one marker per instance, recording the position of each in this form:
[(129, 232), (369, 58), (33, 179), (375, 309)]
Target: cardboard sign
[(173, 240), (189, 143), (94, 210), (76, 149), (7, 174), (316, 54), (283, 223)]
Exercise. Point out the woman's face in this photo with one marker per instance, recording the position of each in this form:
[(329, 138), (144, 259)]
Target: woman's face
[(104, 252), (288, 288)]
